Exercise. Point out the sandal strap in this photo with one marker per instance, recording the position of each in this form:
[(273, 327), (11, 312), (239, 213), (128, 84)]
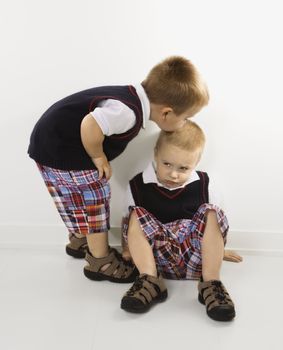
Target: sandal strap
[(214, 294), (77, 243), (146, 288), (117, 268)]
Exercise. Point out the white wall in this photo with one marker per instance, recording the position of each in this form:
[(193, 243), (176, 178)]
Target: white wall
[(50, 49)]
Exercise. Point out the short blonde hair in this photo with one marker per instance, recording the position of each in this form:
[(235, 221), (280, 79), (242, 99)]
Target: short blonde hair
[(189, 138), (176, 83)]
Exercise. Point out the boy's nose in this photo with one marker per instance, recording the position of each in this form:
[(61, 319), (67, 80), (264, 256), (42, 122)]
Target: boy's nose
[(174, 174)]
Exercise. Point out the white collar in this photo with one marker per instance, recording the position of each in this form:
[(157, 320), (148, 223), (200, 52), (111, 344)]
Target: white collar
[(149, 175), (144, 102)]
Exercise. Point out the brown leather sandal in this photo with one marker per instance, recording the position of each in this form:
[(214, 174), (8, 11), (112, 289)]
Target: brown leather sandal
[(77, 247), (118, 270), (217, 300), (146, 291)]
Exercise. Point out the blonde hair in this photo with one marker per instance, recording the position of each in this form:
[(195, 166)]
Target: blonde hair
[(189, 138), (176, 83)]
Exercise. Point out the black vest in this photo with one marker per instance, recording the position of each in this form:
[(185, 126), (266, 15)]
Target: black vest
[(56, 140), (166, 205)]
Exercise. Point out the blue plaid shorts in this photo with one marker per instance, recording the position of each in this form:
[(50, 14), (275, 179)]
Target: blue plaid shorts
[(177, 245), (81, 199)]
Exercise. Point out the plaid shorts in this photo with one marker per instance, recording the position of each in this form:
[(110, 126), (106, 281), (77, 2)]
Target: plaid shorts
[(177, 245), (82, 200)]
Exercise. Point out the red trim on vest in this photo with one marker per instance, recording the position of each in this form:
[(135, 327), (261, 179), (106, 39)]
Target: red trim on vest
[(132, 90), (167, 194)]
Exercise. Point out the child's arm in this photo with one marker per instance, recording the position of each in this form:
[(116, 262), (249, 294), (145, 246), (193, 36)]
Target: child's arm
[(125, 249), (92, 139)]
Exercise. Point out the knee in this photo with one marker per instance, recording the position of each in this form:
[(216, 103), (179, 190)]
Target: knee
[(133, 215), (211, 219), (211, 215)]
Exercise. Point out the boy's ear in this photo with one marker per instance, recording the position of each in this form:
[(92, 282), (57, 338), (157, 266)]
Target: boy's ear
[(165, 111)]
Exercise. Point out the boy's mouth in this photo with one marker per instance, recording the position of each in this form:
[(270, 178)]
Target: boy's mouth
[(171, 183)]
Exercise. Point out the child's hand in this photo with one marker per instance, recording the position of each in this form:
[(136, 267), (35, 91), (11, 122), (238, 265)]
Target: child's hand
[(103, 166), (230, 255), (126, 255)]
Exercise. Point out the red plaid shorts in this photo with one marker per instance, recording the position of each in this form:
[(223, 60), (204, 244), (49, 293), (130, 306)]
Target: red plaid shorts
[(82, 200), (177, 245)]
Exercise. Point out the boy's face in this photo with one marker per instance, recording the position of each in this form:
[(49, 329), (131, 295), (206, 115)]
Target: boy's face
[(167, 120), (174, 165)]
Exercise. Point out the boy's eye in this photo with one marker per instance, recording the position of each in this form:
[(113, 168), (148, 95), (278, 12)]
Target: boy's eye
[(183, 168), (167, 164)]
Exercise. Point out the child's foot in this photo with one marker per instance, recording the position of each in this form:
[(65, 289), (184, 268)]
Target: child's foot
[(146, 291), (77, 247), (231, 255), (111, 268), (215, 297)]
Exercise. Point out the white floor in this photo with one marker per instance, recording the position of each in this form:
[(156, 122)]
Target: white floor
[(47, 303)]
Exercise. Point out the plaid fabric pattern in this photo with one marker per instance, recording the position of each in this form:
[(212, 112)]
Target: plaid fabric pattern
[(177, 245), (82, 200)]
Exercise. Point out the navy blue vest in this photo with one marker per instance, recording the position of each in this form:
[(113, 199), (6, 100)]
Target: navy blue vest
[(166, 205), (56, 140)]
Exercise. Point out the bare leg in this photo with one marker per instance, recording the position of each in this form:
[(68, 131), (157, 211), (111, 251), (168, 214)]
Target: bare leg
[(98, 244), (212, 248), (140, 249), (126, 254), (79, 235)]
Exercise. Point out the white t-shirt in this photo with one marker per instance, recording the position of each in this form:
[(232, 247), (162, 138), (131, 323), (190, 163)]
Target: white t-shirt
[(114, 117)]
